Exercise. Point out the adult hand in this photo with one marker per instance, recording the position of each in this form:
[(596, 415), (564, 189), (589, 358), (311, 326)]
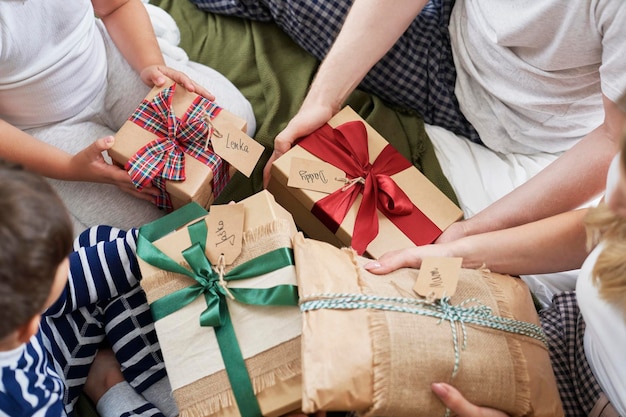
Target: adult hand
[(89, 165), (307, 120), (406, 258), (459, 406), (157, 75)]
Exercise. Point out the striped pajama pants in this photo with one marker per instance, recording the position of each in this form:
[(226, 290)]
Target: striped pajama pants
[(123, 322)]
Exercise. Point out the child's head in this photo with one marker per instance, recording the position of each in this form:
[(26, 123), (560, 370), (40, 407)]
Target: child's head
[(35, 238)]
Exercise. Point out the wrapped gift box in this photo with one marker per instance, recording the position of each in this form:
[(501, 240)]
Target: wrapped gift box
[(371, 345), (380, 184), (267, 335), (166, 142)]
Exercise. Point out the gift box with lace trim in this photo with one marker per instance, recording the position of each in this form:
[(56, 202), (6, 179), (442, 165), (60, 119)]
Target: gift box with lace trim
[(372, 345), (230, 339)]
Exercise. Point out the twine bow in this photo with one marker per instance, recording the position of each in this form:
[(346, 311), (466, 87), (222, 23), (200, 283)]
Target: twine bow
[(346, 148), (470, 311), (163, 159)]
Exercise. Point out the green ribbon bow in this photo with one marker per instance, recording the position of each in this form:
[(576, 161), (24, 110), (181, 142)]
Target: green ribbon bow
[(212, 286)]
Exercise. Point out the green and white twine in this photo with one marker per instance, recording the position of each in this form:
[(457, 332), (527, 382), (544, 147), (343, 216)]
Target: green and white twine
[(470, 311)]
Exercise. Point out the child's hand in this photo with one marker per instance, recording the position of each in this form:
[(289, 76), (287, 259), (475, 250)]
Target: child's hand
[(89, 165), (157, 75)]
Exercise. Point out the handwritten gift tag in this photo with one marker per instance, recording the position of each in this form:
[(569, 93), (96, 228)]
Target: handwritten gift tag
[(315, 175), (234, 146), (438, 277), (225, 232)]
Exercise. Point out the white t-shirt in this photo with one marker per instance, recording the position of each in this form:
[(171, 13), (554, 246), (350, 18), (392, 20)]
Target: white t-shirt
[(52, 60), (605, 336), (530, 74)]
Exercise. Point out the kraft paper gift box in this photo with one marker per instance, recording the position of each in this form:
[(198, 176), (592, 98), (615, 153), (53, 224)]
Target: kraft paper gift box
[(371, 345), (217, 369), (384, 203), (166, 142)]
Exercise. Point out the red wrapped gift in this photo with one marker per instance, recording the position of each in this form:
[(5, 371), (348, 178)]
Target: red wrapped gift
[(383, 203)]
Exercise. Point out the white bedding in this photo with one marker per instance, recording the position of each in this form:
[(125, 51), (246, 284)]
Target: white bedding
[(480, 176)]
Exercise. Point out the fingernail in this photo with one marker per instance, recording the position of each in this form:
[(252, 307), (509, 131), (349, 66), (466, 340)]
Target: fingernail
[(440, 389), (109, 139), (372, 265)]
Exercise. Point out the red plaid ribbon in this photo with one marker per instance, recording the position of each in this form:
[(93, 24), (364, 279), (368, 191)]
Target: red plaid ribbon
[(164, 158)]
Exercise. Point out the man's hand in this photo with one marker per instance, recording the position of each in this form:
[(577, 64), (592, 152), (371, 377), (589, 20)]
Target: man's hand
[(305, 122)]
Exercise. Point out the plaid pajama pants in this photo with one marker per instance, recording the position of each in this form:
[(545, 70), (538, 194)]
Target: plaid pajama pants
[(565, 328), (417, 73), (123, 322)]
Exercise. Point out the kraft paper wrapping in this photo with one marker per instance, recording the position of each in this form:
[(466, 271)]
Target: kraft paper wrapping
[(198, 183), (423, 193), (269, 337), (382, 363)]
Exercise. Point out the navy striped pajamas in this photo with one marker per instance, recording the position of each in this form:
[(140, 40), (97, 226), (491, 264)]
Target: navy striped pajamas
[(102, 303)]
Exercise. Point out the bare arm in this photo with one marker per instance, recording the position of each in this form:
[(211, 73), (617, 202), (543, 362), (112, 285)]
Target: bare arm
[(370, 30), (573, 179), (129, 25), (87, 165), (553, 244)]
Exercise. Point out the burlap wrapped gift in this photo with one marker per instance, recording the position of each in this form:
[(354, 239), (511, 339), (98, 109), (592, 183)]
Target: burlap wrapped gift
[(387, 204), (261, 325), (167, 142), (371, 345)]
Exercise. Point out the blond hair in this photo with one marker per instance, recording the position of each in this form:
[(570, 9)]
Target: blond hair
[(609, 271)]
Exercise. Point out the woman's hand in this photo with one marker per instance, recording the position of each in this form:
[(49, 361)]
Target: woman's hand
[(459, 406), (407, 258), (157, 75), (89, 165), (307, 120)]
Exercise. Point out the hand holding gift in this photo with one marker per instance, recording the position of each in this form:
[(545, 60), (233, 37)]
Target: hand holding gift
[(170, 142)]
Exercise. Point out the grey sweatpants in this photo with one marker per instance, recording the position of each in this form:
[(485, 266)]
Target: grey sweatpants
[(93, 203)]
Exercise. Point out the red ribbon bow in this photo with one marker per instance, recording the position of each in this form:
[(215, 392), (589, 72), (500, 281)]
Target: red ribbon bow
[(346, 148)]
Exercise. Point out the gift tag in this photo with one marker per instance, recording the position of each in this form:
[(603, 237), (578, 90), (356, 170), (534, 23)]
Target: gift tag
[(235, 147), (438, 277), (315, 175), (225, 232)]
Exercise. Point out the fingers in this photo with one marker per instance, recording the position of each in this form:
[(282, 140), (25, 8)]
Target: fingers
[(190, 85), (394, 260), (268, 168), (459, 406), (103, 144)]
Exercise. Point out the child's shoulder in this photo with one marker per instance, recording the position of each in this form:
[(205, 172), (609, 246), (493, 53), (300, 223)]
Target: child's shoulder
[(29, 383)]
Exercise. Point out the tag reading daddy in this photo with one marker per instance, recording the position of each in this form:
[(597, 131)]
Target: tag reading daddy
[(225, 231), (315, 175), (237, 148), (438, 277)]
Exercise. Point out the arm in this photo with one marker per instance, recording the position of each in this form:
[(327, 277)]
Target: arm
[(129, 25), (370, 30), (557, 243), (99, 270), (573, 179), (49, 161)]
